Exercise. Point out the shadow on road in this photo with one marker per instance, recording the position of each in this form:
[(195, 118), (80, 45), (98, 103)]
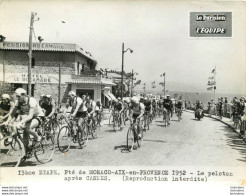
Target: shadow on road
[(162, 125), (123, 148), (111, 131), (29, 163), (236, 142), (152, 140)]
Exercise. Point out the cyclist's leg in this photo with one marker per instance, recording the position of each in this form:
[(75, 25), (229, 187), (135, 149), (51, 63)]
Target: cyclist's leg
[(30, 128), (121, 120)]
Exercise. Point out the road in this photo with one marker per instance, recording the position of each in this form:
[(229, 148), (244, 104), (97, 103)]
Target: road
[(184, 143)]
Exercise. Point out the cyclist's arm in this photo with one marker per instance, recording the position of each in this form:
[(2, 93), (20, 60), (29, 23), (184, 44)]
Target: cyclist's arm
[(11, 115), (122, 108), (141, 112)]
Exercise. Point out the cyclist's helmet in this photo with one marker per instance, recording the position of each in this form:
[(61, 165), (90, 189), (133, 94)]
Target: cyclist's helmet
[(72, 93), (20, 91), (5, 96), (48, 96), (134, 100)]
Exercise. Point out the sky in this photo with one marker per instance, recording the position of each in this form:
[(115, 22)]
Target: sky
[(157, 31)]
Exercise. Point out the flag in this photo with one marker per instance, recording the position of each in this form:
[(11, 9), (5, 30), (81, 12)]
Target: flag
[(213, 71), (211, 82), (210, 88), (161, 83), (162, 75)]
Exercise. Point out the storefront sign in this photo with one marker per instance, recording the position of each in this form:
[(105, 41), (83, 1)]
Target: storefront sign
[(36, 78), (37, 46)]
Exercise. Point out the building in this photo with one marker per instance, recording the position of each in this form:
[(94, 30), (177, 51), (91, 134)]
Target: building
[(76, 66)]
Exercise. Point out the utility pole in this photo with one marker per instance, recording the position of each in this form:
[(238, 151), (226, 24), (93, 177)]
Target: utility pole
[(164, 84), (122, 69), (30, 56), (132, 83), (59, 85)]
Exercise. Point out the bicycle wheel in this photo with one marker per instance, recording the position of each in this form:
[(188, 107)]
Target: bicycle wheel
[(115, 124), (94, 130), (130, 139), (64, 139), (83, 136), (11, 152), (45, 151), (140, 140), (110, 120)]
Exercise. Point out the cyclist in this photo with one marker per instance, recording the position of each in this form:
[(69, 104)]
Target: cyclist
[(160, 105), (98, 111), (154, 102), (76, 103), (41, 99), (31, 115), (168, 105), (118, 107), (179, 107), (49, 106), (148, 110), (137, 112), (91, 107), (6, 106)]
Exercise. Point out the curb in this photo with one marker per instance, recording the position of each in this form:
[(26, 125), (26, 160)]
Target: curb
[(231, 127)]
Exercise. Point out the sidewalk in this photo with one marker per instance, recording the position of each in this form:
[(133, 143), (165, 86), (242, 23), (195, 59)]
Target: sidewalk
[(226, 121)]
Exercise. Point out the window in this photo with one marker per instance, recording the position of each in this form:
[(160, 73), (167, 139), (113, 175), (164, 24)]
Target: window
[(33, 62)]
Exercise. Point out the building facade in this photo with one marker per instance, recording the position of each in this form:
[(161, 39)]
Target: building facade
[(54, 66)]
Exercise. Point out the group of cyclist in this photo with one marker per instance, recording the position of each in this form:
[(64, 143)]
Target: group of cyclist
[(28, 113), (136, 108)]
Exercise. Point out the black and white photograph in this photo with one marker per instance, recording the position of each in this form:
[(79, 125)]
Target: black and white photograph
[(123, 84)]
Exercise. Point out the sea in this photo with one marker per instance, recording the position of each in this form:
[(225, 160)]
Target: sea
[(204, 97)]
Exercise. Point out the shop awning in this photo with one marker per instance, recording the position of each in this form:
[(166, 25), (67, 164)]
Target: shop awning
[(107, 97), (96, 82), (111, 96)]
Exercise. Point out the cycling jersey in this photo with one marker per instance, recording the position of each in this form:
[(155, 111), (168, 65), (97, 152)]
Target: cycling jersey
[(48, 106), (90, 105), (25, 107), (137, 109), (179, 105), (147, 105), (167, 104), (73, 103), (5, 108), (118, 106), (154, 103)]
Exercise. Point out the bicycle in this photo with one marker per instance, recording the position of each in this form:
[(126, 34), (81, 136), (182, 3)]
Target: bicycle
[(147, 119), (90, 128), (116, 121), (132, 135), (71, 133), (166, 117), (179, 112), (15, 151)]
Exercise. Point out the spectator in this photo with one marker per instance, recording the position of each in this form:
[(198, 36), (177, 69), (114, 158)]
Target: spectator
[(243, 118)]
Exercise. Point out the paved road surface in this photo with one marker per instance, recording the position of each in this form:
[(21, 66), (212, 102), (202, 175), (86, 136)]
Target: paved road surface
[(185, 143)]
